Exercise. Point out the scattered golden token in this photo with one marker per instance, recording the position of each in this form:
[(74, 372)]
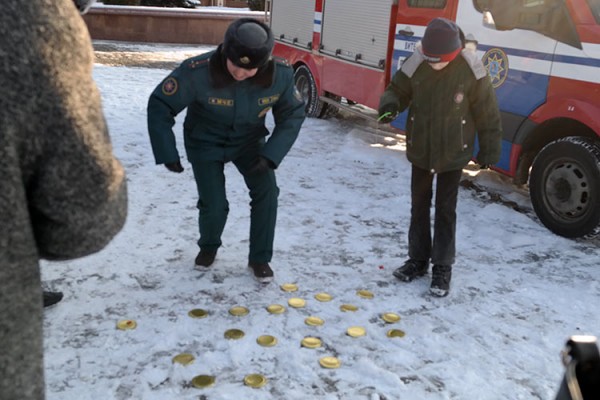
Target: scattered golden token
[(183, 359), (395, 333), (390, 317), (314, 321), (255, 380), (267, 340), (365, 294), (239, 311), (296, 302), (311, 342), (289, 287), (234, 334), (348, 307), (202, 381), (356, 331), (198, 313), (126, 324), (323, 297), (276, 309), (329, 362)]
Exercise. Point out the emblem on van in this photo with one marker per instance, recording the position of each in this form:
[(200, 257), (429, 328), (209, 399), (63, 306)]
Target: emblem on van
[(496, 63)]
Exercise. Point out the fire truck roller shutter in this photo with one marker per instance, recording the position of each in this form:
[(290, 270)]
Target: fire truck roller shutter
[(564, 186)]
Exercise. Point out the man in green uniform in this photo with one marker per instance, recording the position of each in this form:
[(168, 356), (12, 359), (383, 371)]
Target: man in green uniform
[(451, 101), (228, 93)]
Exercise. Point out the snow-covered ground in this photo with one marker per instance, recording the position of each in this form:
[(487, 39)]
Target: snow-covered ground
[(518, 291)]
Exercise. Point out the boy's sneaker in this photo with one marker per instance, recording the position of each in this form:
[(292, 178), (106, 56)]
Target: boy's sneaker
[(411, 269), (262, 272), (205, 258), (440, 283)]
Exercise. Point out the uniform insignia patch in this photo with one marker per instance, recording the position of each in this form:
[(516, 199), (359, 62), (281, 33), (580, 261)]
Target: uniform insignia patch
[(459, 97), (196, 63), (244, 60), (263, 101), (264, 112), (496, 63), (169, 86), (215, 101)]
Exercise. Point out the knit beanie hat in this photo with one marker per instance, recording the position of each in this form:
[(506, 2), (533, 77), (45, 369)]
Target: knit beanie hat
[(441, 41), (248, 43)]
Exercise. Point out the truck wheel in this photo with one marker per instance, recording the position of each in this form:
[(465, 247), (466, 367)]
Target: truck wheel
[(305, 83), (330, 110), (565, 187)]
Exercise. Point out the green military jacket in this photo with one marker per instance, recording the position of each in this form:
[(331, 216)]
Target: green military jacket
[(224, 117), (447, 110)]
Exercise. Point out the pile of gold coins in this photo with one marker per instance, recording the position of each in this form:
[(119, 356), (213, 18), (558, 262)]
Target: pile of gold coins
[(309, 342)]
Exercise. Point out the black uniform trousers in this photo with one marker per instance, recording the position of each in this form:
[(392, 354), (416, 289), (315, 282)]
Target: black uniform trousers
[(420, 247), (213, 205)]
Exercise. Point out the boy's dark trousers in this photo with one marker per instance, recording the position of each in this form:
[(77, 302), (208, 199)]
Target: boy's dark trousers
[(420, 247)]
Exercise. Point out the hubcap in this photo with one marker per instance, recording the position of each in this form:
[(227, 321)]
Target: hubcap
[(567, 190)]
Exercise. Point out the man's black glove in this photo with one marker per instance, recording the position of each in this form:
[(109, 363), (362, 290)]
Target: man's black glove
[(174, 167), (260, 166), (387, 114)]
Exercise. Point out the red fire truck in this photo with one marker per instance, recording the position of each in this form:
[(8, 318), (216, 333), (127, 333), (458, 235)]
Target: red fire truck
[(543, 57)]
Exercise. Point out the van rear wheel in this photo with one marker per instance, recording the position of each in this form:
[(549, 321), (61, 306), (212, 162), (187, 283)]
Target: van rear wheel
[(565, 187)]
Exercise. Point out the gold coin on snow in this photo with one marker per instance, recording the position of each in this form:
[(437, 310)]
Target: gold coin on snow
[(365, 294), (390, 317), (234, 334), (348, 307), (296, 302), (255, 380), (395, 333), (289, 287), (198, 313), (329, 362), (314, 321), (238, 311), (311, 342), (126, 324), (356, 331), (266, 340), (202, 381), (183, 359), (276, 309), (323, 297)]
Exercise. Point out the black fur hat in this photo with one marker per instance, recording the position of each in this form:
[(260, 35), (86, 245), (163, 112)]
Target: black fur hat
[(248, 43)]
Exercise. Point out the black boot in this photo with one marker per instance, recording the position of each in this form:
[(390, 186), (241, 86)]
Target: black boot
[(205, 258), (440, 283), (51, 298), (262, 272), (411, 269)]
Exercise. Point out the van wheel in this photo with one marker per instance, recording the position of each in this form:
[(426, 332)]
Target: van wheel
[(305, 83), (565, 187)]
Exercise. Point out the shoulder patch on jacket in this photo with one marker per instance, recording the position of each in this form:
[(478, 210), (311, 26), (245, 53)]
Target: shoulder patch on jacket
[(475, 63), (410, 65), (281, 61), (196, 62)]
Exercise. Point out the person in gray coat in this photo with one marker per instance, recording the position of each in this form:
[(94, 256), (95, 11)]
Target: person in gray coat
[(63, 194)]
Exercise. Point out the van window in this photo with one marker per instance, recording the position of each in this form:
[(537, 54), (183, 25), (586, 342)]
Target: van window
[(427, 3), (595, 7)]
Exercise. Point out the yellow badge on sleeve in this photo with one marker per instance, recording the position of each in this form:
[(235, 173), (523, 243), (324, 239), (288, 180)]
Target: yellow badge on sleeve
[(169, 86)]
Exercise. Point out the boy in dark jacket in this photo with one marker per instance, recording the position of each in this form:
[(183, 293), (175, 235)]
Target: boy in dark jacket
[(228, 93), (451, 101)]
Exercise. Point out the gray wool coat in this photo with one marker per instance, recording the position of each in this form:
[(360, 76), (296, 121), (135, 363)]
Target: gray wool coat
[(62, 192)]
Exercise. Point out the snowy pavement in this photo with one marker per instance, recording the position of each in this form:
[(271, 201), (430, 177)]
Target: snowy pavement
[(518, 291)]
